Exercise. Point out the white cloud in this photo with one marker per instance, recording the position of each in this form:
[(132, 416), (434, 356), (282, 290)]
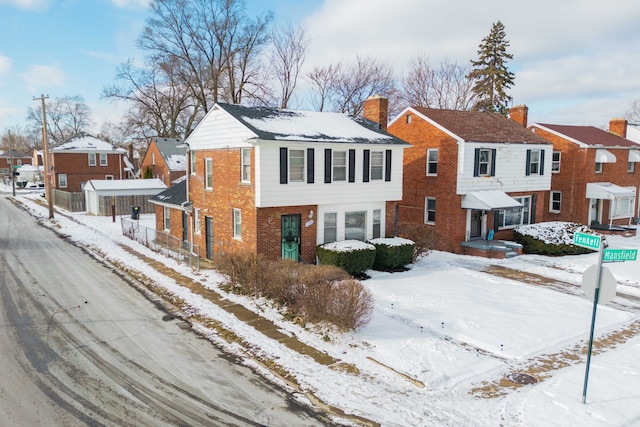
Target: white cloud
[(28, 4), (5, 64), (565, 52), (43, 77), (131, 4)]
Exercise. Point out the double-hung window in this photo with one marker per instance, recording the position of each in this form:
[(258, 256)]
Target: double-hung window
[(246, 165), (237, 224), (296, 165), (377, 223), (555, 161), (62, 180), (484, 162), (430, 210), (535, 162), (598, 168), (92, 159), (103, 159), (555, 201), (196, 220), (377, 165), (432, 161), (339, 165), (330, 227), (208, 173), (193, 162), (167, 218)]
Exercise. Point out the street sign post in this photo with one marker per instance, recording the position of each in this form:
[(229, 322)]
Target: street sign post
[(620, 255)]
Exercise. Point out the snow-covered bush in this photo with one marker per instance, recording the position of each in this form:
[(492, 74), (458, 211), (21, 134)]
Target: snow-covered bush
[(551, 238), (353, 256), (392, 253)]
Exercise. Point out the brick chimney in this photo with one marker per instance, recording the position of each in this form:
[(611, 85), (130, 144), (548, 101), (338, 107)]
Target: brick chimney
[(519, 114), (618, 127), (376, 109)]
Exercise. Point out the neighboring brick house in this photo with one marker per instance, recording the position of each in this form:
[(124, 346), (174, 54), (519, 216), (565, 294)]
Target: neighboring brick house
[(280, 182), (85, 157), (170, 213), (164, 160), (595, 175), (472, 176), (6, 157)]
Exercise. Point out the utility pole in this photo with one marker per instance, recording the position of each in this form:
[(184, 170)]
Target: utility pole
[(13, 178), (47, 166)]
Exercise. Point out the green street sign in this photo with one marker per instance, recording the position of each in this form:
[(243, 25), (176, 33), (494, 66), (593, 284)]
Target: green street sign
[(589, 241), (619, 255)]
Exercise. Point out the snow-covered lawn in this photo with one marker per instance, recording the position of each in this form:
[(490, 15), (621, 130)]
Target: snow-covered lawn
[(443, 329)]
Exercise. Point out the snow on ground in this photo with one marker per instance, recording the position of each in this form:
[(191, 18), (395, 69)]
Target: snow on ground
[(449, 326)]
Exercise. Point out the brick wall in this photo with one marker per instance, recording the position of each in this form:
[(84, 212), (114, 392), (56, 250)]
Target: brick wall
[(577, 168), (76, 167), (269, 226), (154, 161), (227, 193), (450, 217)]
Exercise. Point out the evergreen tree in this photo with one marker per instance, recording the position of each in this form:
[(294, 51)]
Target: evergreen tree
[(490, 73)]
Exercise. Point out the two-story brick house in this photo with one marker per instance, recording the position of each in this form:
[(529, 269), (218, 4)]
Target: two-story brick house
[(86, 157), (595, 175), (7, 157), (164, 160), (471, 175), (279, 182)]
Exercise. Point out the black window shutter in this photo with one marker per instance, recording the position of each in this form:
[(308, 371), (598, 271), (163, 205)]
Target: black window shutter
[(541, 162), (283, 165), (387, 165), (534, 200), (310, 165), (527, 168), (327, 165), (352, 165), (493, 161), (365, 167), (476, 162), (496, 224)]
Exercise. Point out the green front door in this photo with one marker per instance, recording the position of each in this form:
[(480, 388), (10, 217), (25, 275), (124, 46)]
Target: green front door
[(290, 237)]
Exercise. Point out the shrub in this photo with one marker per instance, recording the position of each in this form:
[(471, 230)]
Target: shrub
[(307, 293), (353, 256), (424, 236), (551, 238), (351, 305), (392, 253)]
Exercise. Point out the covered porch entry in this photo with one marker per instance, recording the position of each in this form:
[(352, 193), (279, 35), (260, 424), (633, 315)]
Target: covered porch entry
[(482, 209)]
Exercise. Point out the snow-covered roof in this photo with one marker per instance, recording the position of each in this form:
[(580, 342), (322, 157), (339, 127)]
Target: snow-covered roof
[(175, 157), (87, 144), (309, 126), (126, 184)]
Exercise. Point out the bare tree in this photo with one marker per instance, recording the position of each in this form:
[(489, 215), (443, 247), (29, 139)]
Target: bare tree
[(367, 77), (633, 114), (161, 104), (445, 87), (20, 139), (66, 117), (214, 42), (324, 81), (289, 49)]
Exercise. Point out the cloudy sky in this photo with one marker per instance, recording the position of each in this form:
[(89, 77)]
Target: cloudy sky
[(575, 61)]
